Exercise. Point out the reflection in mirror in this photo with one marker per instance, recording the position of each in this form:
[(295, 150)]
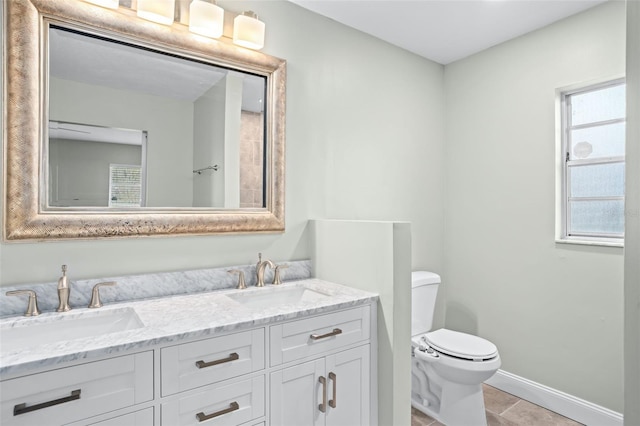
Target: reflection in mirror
[(200, 138), (96, 166)]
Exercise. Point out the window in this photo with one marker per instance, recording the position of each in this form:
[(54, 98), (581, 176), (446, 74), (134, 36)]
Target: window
[(125, 185), (593, 143)]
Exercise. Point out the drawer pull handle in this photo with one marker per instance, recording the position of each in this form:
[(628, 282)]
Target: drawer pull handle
[(335, 332), (22, 408), (334, 401), (323, 407), (204, 417), (232, 357)]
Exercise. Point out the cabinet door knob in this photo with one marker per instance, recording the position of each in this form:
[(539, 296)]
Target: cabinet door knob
[(334, 401), (22, 408), (323, 407), (232, 357), (335, 332), (203, 417)]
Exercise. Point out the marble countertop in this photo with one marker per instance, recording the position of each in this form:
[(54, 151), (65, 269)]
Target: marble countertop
[(169, 320)]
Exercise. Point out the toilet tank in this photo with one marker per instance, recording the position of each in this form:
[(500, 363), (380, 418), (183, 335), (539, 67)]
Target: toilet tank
[(424, 289)]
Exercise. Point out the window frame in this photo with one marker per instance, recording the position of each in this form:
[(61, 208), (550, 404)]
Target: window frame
[(563, 208)]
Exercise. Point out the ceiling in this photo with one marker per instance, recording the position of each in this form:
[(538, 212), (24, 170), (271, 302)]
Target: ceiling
[(446, 30), (99, 62)]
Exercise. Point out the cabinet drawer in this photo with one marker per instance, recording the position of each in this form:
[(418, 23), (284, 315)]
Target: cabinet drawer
[(231, 404), (302, 338), (73, 393), (200, 363)]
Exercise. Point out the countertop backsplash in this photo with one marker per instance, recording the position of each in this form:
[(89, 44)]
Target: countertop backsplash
[(146, 286)]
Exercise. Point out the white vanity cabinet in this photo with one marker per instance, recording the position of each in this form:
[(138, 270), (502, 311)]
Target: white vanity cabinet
[(296, 369), (330, 390), (69, 394)]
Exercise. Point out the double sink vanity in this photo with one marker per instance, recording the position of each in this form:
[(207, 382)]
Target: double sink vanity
[(300, 353)]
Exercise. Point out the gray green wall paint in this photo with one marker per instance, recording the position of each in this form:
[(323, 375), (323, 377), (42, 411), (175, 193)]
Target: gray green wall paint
[(543, 304)]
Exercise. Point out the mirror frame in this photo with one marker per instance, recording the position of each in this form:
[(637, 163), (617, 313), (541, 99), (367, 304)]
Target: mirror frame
[(25, 94)]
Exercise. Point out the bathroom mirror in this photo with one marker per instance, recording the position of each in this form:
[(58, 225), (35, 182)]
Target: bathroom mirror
[(117, 127)]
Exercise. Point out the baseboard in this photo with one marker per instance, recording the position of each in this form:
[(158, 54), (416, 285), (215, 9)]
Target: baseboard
[(562, 403)]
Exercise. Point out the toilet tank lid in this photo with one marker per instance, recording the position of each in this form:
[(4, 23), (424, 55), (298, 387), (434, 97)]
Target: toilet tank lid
[(420, 278)]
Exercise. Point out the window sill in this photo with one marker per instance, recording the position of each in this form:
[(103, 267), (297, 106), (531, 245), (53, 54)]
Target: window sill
[(587, 242)]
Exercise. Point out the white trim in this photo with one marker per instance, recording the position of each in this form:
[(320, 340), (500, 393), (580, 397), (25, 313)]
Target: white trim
[(586, 242), (562, 403)]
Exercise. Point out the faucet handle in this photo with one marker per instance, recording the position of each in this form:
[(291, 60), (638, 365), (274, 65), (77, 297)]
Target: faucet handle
[(95, 293), (241, 284), (276, 274), (32, 306)]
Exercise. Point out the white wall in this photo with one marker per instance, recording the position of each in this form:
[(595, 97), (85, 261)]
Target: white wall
[(632, 230), (169, 126), (554, 311), (347, 156)]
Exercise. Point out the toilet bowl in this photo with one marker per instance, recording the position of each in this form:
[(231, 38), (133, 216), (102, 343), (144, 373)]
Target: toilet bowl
[(448, 367)]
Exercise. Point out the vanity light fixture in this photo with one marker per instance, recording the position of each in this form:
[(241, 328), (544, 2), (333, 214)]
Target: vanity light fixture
[(110, 4), (206, 18), (248, 31), (160, 11)]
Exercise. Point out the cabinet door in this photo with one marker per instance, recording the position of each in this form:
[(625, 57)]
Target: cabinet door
[(348, 387), (296, 393)]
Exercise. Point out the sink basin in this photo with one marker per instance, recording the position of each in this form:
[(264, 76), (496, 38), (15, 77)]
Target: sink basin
[(20, 334), (264, 298)]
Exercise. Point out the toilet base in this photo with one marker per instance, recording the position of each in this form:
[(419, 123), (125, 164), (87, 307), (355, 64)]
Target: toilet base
[(461, 405)]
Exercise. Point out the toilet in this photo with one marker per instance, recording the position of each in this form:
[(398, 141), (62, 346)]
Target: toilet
[(447, 367)]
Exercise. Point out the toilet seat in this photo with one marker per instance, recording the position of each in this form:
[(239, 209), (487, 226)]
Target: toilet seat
[(460, 345)]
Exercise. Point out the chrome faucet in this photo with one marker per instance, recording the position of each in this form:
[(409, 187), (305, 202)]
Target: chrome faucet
[(63, 291), (260, 271)]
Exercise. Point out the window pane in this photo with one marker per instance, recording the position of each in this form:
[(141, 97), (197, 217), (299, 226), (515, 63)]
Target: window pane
[(597, 180), (605, 104), (598, 142), (604, 217), (125, 186)]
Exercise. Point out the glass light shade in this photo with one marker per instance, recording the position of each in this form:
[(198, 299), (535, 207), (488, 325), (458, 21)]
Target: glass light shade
[(248, 31), (206, 19), (110, 4), (160, 11)]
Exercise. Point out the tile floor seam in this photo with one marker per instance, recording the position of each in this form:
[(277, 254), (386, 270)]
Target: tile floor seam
[(505, 411), (510, 407)]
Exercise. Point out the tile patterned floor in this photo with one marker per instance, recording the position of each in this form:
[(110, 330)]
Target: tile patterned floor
[(504, 409)]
